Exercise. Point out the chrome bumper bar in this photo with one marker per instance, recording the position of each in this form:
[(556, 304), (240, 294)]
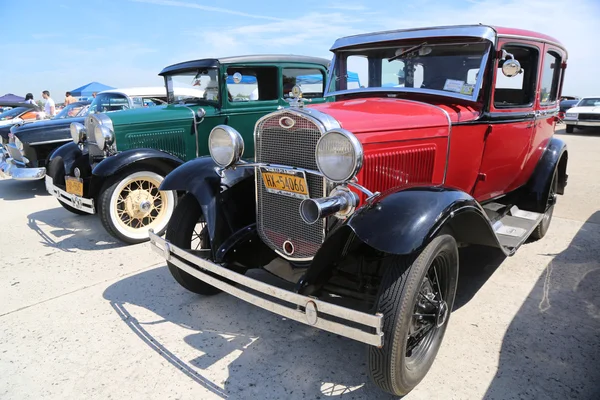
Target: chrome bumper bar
[(80, 203), (18, 170), (314, 309), (581, 122)]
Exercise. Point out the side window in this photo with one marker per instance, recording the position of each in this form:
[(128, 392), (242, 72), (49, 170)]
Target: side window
[(550, 78), (310, 80), (252, 84), (518, 91)]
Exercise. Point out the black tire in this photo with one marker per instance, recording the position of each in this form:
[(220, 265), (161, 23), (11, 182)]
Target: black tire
[(72, 209), (182, 232), (542, 228), (115, 218), (404, 359), (569, 128)]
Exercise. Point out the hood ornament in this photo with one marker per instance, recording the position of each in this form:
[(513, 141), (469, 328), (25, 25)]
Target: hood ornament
[(296, 100)]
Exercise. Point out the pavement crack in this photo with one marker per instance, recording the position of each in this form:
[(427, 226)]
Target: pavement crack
[(79, 290)]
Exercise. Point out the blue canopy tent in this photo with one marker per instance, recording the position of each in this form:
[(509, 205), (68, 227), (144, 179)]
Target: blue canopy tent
[(87, 90), (12, 98)]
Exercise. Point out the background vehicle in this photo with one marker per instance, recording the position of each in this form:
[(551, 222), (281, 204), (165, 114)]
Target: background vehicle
[(21, 160), (116, 162), (360, 204), (17, 113), (586, 113), (564, 105)]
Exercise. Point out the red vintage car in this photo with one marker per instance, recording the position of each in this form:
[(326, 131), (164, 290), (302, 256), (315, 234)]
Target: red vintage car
[(360, 204)]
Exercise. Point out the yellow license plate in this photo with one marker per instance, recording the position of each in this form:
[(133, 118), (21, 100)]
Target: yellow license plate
[(286, 182), (74, 185)]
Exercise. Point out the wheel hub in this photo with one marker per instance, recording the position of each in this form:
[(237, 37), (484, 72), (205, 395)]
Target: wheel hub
[(138, 203)]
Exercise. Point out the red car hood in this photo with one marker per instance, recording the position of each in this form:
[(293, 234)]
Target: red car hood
[(373, 115)]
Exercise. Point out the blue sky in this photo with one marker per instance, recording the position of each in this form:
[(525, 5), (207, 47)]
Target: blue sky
[(62, 44)]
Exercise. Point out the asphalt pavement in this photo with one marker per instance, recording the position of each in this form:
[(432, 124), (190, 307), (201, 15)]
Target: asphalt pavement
[(85, 317)]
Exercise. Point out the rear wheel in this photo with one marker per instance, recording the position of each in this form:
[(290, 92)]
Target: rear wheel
[(416, 299), (132, 204), (187, 230)]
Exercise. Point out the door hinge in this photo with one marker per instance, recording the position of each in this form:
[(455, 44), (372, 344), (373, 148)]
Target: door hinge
[(481, 177), (487, 132)]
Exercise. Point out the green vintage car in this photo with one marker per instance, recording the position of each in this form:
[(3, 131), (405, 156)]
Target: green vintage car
[(117, 161)]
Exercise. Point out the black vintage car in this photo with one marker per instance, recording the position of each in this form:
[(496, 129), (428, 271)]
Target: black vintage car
[(27, 145), (14, 113)]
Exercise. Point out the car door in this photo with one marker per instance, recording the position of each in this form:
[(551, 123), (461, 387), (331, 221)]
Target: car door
[(547, 104), (511, 119)]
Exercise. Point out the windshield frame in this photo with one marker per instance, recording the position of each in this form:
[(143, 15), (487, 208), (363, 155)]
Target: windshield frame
[(16, 114), (193, 72), (70, 107), (408, 90)]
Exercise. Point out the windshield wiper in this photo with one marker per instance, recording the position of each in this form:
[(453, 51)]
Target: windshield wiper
[(405, 52)]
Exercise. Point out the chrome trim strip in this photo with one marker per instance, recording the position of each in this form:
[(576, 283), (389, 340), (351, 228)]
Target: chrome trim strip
[(476, 31), (534, 39), (80, 203), (369, 321), (51, 141)]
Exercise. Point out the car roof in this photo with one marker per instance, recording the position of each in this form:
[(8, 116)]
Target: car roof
[(256, 58), (158, 91), (487, 32)]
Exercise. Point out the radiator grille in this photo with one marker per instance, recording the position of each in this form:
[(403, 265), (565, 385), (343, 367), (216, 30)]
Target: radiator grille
[(389, 169), (589, 117), (170, 141), (278, 216)]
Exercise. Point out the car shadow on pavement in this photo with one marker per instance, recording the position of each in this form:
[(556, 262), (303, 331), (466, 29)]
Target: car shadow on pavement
[(551, 349), (63, 230), (11, 190), (266, 356)]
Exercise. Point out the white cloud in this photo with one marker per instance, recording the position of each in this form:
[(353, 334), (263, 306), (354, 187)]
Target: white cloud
[(175, 3)]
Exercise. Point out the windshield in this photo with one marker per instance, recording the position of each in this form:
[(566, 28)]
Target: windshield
[(15, 112), (449, 68), (590, 102), (73, 110), (194, 87), (107, 102)]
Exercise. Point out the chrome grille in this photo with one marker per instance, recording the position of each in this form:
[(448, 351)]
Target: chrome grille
[(278, 216)]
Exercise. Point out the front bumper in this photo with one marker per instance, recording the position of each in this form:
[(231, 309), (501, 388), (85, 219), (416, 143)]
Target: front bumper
[(357, 325), (577, 122), (18, 170), (79, 203)]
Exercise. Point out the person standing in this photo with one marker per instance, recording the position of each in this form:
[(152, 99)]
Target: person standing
[(49, 107), (29, 98), (69, 99)]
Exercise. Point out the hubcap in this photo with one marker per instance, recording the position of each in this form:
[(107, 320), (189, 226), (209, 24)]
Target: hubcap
[(140, 204)]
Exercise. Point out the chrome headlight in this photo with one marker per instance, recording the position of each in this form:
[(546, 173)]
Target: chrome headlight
[(571, 115), (339, 155), (103, 136), (78, 132), (226, 145)]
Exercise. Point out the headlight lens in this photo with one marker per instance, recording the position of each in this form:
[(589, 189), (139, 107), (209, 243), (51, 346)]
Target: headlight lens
[(571, 115), (78, 132), (226, 145), (339, 155), (104, 136)]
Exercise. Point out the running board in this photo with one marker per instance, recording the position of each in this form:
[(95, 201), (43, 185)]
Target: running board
[(513, 229)]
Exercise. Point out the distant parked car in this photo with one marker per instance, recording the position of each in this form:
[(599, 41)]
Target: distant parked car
[(565, 104), (18, 112), (586, 113)]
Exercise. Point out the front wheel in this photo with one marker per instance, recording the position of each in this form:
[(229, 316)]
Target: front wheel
[(187, 230), (416, 298), (131, 204)]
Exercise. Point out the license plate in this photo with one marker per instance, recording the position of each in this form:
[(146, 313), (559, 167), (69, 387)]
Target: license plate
[(286, 182), (74, 185)]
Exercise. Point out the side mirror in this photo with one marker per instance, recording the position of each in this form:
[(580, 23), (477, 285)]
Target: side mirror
[(510, 66)]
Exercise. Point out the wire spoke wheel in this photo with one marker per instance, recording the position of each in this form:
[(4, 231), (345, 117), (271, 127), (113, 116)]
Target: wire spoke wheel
[(134, 204)]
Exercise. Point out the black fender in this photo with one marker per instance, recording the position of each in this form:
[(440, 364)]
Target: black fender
[(403, 222), (63, 160), (553, 160), (227, 201), (114, 165)]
